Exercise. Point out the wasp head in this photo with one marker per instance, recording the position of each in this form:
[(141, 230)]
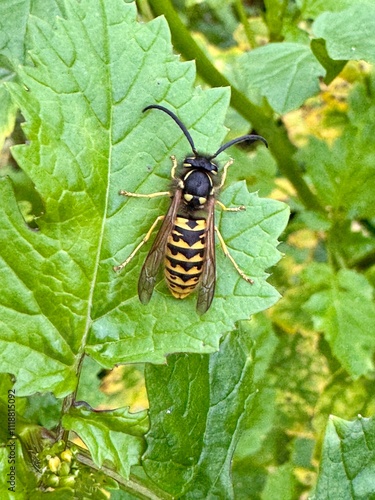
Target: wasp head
[(200, 163)]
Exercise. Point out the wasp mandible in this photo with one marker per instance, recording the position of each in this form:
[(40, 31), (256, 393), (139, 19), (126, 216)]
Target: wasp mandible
[(185, 243)]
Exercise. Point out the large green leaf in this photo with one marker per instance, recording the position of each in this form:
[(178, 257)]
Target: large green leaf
[(92, 75), (286, 73), (251, 450), (348, 33), (197, 408), (348, 460)]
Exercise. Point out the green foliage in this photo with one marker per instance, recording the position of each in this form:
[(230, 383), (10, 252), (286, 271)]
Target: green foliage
[(238, 398), (104, 434), (348, 40), (295, 73), (197, 408), (342, 307), (348, 460)]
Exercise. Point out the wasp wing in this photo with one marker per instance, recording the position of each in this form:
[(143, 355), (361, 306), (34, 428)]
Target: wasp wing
[(208, 278), (156, 255)]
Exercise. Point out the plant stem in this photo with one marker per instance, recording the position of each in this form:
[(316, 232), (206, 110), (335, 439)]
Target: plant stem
[(282, 149), (244, 20), (133, 485)]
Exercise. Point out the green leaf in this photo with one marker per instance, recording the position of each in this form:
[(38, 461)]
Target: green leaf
[(260, 330), (348, 460), (259, 424), (324, 166), (42, 409), (344, 310), (310, 9), (197, 405), (348, 34), (285, 73), (115, 437), (260, 419), (13, 22), (333, 68), (94, 140), (179, 398), (82, 98)]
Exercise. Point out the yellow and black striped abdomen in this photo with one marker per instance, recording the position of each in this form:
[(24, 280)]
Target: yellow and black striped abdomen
[(184, 256)]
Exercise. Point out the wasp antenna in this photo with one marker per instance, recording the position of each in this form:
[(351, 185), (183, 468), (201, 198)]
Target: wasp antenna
[(251, 138), (177, 120)]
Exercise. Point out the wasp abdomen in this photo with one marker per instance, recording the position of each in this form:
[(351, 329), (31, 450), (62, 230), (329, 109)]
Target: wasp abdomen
[(184, 255)]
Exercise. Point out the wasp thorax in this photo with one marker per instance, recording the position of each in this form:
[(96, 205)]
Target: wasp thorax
[(197, 188), (200, 162)]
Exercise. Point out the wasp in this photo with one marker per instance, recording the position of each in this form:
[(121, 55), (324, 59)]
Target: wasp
[(185, 243)]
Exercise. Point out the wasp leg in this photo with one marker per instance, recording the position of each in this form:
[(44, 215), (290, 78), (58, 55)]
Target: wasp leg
[(230, 209), (139, 195), (138, 247), (174, 167), (225, 170), (227, 254)]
